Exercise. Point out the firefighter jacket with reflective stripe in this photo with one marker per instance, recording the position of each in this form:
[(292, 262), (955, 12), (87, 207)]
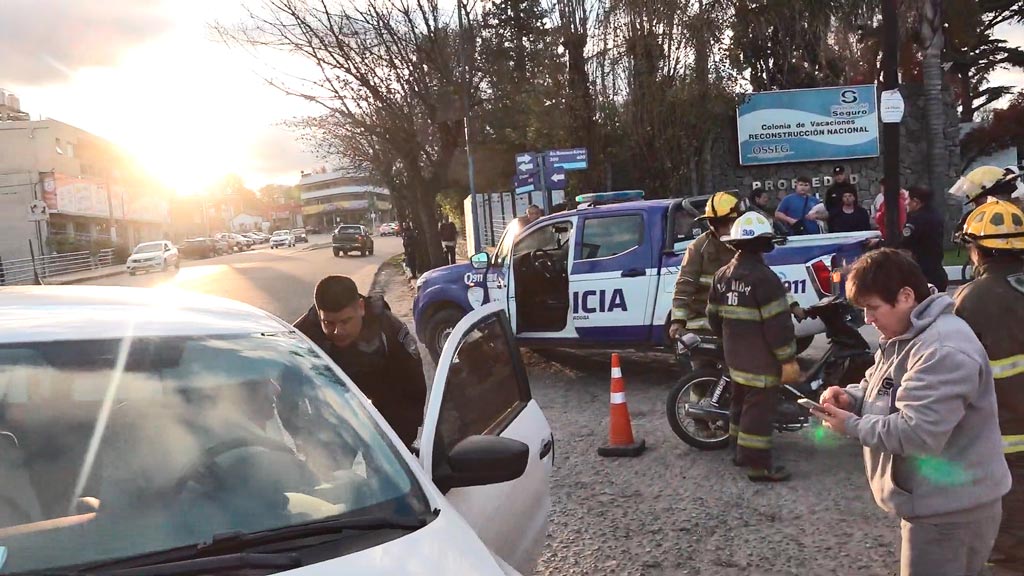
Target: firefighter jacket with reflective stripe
[(749, 310), (704, 256), (993, 305)]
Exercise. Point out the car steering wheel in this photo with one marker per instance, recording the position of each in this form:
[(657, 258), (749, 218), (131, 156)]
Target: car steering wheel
[(544, 263), (198, 472)]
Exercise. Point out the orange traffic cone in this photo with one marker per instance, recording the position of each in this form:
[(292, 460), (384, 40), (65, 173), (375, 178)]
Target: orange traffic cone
[(620, 431)]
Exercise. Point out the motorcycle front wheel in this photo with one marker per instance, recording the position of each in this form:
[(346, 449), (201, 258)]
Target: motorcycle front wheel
[(695, 388)]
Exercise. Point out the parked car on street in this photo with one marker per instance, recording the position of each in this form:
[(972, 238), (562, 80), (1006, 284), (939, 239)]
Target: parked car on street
[(222, 246), (198, 435), (256, 237), (389, 229), (230, 240), (351, 238), (300, 235), (159, 255), (282, 239), (244, 242), (197, 248)]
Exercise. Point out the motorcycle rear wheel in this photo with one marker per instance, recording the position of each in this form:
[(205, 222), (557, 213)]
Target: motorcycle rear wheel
[(694, 388)]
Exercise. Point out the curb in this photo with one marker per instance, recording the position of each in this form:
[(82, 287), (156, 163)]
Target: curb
[(55, 282)]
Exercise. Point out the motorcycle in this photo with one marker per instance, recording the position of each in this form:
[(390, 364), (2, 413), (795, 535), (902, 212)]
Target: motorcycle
[(698, 405)]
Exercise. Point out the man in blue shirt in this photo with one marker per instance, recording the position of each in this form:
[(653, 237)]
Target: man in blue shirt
[(794, 208)]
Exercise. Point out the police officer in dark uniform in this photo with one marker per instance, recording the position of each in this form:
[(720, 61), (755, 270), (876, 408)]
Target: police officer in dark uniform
[(840, 185), (372, 346), (923, 235)]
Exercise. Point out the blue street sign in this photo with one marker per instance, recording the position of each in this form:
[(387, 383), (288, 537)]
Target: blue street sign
[(555, 180), (526, 163), (574, 159), (526, 184)]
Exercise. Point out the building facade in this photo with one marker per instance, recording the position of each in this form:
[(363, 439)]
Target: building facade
[(92, 192), (343, 197)]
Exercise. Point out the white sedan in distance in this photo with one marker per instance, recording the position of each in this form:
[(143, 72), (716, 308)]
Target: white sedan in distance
[(281, 239)]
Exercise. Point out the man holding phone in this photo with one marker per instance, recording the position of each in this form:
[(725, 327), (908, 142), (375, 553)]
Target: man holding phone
[(926, 416)]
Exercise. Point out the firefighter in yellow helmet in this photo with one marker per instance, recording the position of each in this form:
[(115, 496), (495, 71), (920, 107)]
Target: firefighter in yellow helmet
[(993, 305), (749, 310), (986, 183), (703, 257)]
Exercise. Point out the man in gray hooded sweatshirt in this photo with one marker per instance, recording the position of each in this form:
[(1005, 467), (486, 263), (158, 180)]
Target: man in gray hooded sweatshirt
[(927, 418)]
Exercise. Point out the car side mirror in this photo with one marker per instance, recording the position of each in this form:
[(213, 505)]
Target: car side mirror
[(483, 460), (480, 260)]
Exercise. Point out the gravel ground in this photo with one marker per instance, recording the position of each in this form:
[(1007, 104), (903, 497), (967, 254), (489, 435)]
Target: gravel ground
[(676, 510)]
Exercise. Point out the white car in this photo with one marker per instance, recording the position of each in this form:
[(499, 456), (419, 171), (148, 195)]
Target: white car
[(159, 255), (182, 433), (281, 239)]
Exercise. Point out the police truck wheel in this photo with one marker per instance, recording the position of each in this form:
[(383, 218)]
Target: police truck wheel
[(693, 389), (439, 328), (336, 252)]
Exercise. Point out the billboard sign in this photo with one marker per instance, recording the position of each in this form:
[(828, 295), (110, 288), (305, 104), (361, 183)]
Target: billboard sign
[(837, 123)]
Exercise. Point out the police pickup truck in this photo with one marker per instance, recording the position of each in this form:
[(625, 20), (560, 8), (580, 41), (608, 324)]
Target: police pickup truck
[(602, 275)]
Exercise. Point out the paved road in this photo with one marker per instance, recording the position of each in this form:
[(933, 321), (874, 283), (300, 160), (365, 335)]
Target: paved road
[(279, 281)]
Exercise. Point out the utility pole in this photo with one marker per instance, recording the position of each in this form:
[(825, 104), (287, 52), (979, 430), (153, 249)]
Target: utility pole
[(891, 131), (469, 154)]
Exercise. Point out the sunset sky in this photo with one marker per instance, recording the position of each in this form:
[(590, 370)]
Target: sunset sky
[(150, 76)]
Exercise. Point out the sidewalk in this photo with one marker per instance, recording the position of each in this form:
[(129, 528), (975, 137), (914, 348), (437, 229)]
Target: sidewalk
[(85, 275)]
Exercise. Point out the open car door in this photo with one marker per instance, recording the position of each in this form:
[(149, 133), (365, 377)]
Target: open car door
[(481, 388)]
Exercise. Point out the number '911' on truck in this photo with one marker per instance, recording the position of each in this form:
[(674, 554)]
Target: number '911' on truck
[(603, 276)]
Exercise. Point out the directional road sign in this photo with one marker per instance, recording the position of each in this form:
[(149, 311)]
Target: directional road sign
[(555, 180), (526, 184), (574, 159), (526, 163)]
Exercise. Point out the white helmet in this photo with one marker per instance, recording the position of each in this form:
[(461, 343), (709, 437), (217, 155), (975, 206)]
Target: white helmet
[(1015, 170), (749, 226)]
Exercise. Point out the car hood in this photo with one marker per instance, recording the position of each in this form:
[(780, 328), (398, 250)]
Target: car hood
[(445, 546)]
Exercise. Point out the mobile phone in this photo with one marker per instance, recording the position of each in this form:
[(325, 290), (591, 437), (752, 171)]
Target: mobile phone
[(811, 405)]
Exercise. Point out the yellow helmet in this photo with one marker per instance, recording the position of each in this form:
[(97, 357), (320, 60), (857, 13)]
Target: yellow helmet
[(996, 225), (722, 205), (985, 181)]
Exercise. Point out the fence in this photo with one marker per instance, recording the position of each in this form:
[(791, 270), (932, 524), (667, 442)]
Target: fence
[(497, 210), (22, 270)]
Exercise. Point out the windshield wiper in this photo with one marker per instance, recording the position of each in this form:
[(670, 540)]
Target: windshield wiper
[(233, 545), (214, 564), (240, 541)]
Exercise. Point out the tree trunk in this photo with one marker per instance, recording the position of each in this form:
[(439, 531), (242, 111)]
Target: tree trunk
[(933, 40)]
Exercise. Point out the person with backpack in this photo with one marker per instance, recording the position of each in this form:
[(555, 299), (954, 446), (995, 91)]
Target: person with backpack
[(795, 210), (373, 347)]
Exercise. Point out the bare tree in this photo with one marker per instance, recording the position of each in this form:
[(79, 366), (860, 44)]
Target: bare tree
[(389, 82)]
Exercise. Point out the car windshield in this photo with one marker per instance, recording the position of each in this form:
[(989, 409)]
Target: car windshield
[(298, 231), (148, 248), (112, 449), (282, 233), (349, 230)]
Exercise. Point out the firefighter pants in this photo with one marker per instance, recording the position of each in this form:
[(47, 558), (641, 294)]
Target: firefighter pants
[(1009, 549), (751, 420)]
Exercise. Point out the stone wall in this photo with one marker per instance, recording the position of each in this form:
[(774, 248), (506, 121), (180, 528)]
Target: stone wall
[(866, 173)]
